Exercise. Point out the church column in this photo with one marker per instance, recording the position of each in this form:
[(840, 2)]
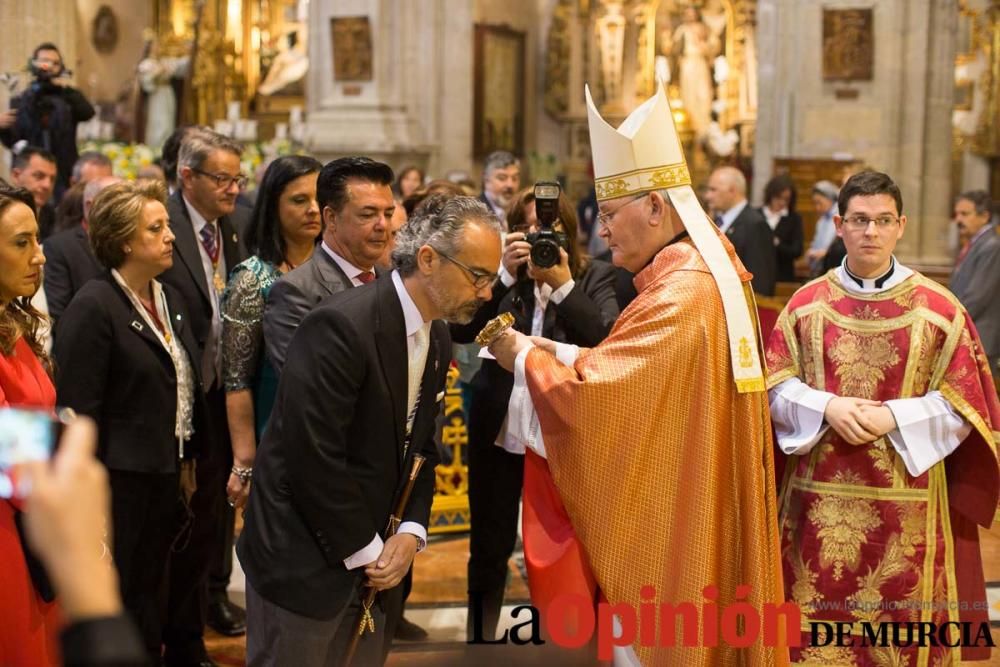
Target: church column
[(405, 113), (898, 122)]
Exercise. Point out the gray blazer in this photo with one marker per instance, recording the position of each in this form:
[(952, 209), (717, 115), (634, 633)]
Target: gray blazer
[(976, 283), (293, 296)]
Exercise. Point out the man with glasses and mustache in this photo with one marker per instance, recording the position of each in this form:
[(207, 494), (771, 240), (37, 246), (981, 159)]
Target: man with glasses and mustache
[(882, 400), (209, 230), (359, 393)]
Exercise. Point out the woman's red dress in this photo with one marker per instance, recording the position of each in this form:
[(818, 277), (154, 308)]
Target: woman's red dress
[(28, 625)]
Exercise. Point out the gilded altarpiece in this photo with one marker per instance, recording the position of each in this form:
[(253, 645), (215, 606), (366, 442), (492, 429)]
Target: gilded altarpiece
[(976, 115), (703, 51)]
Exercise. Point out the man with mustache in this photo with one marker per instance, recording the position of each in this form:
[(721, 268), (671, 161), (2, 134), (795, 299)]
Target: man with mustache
[(357, 205), (976, 280), (501, 181), (358, 397), (881, 397)]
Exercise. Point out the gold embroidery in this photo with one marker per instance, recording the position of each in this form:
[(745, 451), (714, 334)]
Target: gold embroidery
[(862, 361), (827, 655), (866, 603), (746, 359), (804, 592), (611, 189), (923, 349), (883, 457), (889, 656), (671, 176), (843, 524), (868, 313), (913, 523)]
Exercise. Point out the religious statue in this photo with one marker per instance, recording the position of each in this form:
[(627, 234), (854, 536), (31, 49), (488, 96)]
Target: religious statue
[(289, 66), (695, 46), (156, 73)]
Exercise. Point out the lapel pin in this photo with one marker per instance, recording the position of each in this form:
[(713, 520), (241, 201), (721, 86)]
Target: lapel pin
[(137, 325)]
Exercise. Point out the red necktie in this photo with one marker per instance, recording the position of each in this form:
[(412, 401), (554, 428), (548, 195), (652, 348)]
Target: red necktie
[(366, 277)]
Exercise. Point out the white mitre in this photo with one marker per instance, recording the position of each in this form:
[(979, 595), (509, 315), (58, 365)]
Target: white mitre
[(645, 154)]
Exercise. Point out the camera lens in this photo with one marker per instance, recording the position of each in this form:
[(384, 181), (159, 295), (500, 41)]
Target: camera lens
[(545, 253)]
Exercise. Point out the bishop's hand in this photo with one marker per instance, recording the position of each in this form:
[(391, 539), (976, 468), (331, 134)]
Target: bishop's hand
[(507, 346)]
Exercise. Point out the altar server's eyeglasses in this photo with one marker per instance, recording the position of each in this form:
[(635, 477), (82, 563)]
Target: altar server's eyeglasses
[(861, 222)]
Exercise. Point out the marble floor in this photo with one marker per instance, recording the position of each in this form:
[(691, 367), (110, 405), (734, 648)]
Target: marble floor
[(437, 603)]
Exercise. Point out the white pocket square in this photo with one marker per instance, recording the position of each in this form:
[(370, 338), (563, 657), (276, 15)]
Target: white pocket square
[(440, 397)]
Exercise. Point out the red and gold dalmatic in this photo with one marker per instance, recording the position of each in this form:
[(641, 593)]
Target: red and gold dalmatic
[(862, 540)]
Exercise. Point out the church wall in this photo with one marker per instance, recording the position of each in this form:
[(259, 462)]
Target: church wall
[(103, 75), (900, 121)]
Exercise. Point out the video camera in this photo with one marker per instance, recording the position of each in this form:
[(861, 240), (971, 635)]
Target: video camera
[(546, 242)]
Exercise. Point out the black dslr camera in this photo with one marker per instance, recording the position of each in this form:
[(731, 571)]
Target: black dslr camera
[(545, 243)]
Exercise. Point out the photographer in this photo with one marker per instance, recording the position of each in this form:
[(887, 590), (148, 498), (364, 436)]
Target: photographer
[(572, 301), (47, 114)]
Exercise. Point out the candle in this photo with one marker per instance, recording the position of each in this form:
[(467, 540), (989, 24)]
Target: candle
[(295, 115), (281, 131), (233, 112)]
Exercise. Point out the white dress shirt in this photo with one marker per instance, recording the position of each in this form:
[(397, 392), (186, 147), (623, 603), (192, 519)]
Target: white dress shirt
[(543, 295), (729, 217), (927, 429), (212, 360), (413, 322)]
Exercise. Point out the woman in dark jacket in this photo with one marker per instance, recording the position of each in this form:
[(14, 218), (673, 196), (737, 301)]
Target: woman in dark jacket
[(127, 358), (573, 302), (785, 222)]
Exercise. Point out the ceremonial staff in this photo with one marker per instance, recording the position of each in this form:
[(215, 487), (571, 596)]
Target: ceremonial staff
[(365, 620)]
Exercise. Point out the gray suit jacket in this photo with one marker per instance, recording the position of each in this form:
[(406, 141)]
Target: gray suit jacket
[(293, 296), (976, 283)]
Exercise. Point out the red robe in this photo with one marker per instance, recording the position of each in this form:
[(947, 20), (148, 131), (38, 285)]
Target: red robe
[(862, 540), (28, 626), (663, 467)]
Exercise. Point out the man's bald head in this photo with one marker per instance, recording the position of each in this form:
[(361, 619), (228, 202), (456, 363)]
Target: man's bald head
[(93, 189), (727, 187)]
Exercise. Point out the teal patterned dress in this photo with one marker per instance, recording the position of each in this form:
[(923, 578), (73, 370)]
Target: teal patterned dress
[(244, 362)]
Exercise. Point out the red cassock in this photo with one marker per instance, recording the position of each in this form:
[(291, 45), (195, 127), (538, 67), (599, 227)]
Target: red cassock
[(28, 625)]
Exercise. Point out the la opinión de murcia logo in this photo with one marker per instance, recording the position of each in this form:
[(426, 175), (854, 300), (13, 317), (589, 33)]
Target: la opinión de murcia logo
[(571, 621)]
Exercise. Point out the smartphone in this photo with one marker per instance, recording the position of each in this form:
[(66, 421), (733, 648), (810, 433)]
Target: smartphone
[(25, 435)]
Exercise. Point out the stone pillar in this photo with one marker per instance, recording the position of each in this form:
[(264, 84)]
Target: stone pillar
[(900, 122), (419, 99)]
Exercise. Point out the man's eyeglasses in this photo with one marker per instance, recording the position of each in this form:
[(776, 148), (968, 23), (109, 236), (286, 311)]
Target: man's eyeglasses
[(480, 279), (605, 219), (223, 181), (861, 222)]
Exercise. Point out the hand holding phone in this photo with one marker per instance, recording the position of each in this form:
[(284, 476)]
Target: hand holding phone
[(26, 436)]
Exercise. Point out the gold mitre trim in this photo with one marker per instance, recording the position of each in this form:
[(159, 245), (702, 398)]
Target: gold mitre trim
[(642, 180), (645, 154)]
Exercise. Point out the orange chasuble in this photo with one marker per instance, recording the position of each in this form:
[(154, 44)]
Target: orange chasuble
[(862, 540), (664, 469)]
